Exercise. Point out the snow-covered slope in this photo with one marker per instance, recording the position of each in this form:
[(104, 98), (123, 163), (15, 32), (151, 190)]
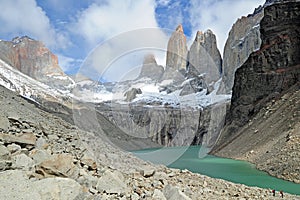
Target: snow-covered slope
[(28, 87), (92, 91)]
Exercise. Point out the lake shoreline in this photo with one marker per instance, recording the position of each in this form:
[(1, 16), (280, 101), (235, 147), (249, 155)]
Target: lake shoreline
[(235, 168)]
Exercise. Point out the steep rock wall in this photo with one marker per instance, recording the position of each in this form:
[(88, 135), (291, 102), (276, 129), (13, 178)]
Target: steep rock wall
[(269, 72), (243, 39), (32, 58)]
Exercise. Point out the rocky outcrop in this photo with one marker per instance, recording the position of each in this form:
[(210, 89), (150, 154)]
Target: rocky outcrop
[(204, 57), (131, 94), (177, 51), (32, 58), (243, 39), (262, 80), (151, 69), (201, 65)]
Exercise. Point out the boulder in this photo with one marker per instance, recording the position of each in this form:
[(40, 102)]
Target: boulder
[(58, 165), (174, 193), (25, 138), (23, 162), (49, 188), (158, 195), (111, 183), (39, 156)]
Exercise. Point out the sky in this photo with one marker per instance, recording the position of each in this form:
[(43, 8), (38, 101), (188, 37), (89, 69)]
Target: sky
[(113, 33)]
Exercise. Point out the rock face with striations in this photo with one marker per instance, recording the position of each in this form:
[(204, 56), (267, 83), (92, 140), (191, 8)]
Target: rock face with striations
[(204, 57), (177, 51), (269, 72), (243, 39), (32, 58), (151, 69)]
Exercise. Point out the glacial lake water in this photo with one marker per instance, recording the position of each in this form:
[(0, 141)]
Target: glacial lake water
[(236, 171)]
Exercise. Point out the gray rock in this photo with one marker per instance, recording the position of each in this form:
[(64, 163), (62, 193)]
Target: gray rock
[(111, 183), (158, 195), (39, 156), (89, 160), (13, 147), (50, 188), (4, 153), (173, 193), (40, 143), (87, 179), (5, 164), (4, 123), (147, 172), (22, 161)]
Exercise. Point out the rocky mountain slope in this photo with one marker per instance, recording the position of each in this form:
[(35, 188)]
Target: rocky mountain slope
[(32, 58), (44, 157), (268, 74)]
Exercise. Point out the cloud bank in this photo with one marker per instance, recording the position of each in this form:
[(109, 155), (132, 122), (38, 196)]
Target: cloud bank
[(105, 19), (19, 17), (121, 33)]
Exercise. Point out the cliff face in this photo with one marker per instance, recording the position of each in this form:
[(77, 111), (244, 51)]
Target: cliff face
[(268, 73), (177, 50), (243, 39), (35, 60), (168, 126), (204, 57), (274, 68)]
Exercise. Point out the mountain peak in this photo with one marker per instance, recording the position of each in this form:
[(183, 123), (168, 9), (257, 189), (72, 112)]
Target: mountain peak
[(34, 59), (179, 28), (150, 68), (17, 40), (149, 59)]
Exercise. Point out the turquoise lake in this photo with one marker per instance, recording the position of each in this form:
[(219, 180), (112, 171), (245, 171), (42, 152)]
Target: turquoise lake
[(228, 169)]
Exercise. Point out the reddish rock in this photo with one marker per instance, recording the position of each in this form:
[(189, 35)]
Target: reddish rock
[(32, 58)]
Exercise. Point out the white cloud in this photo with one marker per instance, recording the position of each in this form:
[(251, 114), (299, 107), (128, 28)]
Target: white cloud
[(121, 57), (27, 18), (105, 19), (68, 64), (219, 16), (125, 29)]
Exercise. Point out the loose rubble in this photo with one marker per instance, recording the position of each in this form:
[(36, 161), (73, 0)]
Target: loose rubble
[(44, 157)]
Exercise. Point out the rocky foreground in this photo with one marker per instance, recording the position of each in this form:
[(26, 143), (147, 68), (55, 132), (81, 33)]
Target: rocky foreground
[(44, 157)]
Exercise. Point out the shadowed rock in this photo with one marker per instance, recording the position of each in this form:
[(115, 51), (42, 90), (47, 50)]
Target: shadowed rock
[(150, 69)]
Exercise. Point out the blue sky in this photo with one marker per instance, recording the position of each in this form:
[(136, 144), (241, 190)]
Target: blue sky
[(73, 28)]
